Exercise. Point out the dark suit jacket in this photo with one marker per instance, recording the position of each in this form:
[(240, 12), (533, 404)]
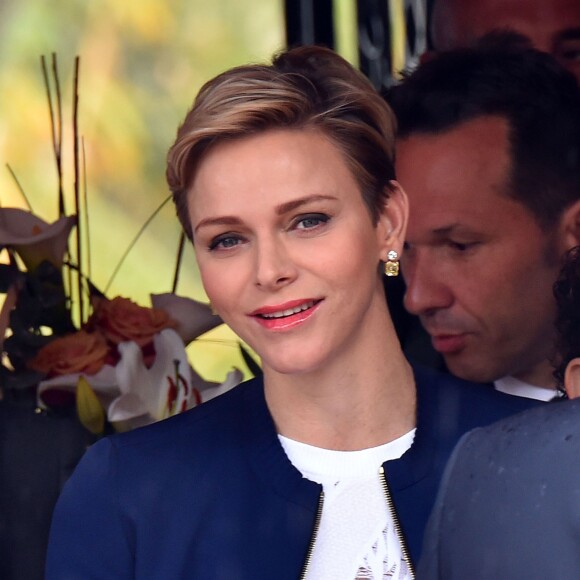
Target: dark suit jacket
[(509, 503)]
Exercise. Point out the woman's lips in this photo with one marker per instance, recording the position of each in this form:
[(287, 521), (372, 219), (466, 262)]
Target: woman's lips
[(287, 315)]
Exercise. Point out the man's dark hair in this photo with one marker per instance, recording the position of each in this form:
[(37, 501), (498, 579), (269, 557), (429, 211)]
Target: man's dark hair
[(502, 75), (567, 293)]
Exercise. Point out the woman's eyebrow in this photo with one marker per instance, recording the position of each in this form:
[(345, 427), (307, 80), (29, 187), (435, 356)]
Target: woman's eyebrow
[(225, 220), (296, 203), (280, 210)]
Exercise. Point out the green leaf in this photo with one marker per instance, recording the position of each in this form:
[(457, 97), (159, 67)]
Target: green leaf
[(89, 409)]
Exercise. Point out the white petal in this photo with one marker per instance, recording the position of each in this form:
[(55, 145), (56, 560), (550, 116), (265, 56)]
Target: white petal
[(193, 318), (233, 379)]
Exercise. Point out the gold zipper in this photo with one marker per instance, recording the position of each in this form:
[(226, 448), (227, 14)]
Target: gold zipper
[(313, 537), (398, 529)]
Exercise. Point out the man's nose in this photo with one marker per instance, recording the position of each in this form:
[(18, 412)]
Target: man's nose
[(428, 289)]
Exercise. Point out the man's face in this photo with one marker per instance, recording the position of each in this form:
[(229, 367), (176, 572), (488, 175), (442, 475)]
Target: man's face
[(479, 270), (552, 25)]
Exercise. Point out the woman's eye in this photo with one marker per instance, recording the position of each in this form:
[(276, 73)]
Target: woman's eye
[(310, 221), (224, 242)]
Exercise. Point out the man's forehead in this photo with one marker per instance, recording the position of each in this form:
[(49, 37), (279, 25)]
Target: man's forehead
[(474, 154)]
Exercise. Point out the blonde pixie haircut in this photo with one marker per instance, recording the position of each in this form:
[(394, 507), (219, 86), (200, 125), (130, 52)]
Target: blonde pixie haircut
[(304, 88)]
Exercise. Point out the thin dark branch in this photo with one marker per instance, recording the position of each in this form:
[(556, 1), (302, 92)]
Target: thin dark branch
[(69, 279), (19, 186), (75, 121), (134, 241), (90, 289), (55, 143), (49, 99), (179, 261), (86, 212), (251, 363), (221, 341), (58, 147)]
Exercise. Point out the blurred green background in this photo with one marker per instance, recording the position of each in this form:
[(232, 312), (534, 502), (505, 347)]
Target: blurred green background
[(141, 64)]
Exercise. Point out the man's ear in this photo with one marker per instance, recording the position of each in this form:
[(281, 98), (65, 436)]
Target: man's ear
[(392, 222), (570, 226), (572, 378)]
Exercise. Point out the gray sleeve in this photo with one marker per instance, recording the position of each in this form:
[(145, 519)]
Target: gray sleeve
[(430, 565)]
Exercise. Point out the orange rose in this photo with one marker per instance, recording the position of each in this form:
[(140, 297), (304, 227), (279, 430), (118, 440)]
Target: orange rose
[(121, 319), (81, 352)]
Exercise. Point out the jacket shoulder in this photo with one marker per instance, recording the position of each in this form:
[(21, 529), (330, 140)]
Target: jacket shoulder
[(474, 404), (552, 424), (216, 426), (505, 486)]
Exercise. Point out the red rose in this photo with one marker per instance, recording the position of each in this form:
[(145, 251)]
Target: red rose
[(121, 319), (81, 352)]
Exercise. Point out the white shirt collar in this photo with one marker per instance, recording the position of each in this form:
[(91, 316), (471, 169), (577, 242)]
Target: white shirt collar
[(513, 386)]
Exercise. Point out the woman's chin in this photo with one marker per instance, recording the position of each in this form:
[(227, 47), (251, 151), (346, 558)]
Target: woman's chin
[(301, 364)]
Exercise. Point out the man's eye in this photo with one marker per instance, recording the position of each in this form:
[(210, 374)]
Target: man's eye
[(573, 55), (570, 50), (224, 242), (310, 221), (461, 246)]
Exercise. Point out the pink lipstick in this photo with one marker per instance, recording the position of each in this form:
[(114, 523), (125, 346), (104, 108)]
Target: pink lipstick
[(287, 315)]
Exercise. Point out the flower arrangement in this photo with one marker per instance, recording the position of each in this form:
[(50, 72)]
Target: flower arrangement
[(120, 364)]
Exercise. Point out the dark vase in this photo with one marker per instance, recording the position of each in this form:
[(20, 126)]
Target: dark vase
[(38, 452)]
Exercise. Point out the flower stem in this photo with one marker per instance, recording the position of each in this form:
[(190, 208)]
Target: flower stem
[(77, 187), (178, 263)]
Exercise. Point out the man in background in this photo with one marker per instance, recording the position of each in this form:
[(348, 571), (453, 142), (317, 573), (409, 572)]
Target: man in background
[(489, 154), (509, 503), (552, 26)]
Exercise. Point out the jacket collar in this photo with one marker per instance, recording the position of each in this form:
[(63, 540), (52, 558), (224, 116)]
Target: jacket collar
[(417, 462), (270, 462), (266, 454)]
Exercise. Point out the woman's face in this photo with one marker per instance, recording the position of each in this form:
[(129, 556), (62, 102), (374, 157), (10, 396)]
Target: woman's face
[(286, 247)]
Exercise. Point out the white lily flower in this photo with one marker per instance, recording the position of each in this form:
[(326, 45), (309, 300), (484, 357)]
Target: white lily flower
[(169, 387), (34, 239), (134, 395), (212, 390), (157, 392), (104, 383)]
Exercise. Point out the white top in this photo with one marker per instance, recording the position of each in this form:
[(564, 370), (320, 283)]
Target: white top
[(356, 539), (512, 386)]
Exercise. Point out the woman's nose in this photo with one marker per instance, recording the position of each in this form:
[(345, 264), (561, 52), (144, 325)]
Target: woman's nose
[(275, 267)]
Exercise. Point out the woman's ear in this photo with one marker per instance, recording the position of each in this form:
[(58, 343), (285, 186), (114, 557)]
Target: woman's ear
[(392, 222), (572, 378)]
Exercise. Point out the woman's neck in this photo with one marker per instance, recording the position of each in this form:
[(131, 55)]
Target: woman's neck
[(351, 405)]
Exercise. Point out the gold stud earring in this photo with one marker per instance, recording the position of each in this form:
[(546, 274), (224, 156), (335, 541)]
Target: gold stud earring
[(392, 264)]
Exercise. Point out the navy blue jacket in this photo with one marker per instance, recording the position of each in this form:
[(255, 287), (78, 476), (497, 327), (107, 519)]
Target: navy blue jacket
[(211, 494)]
